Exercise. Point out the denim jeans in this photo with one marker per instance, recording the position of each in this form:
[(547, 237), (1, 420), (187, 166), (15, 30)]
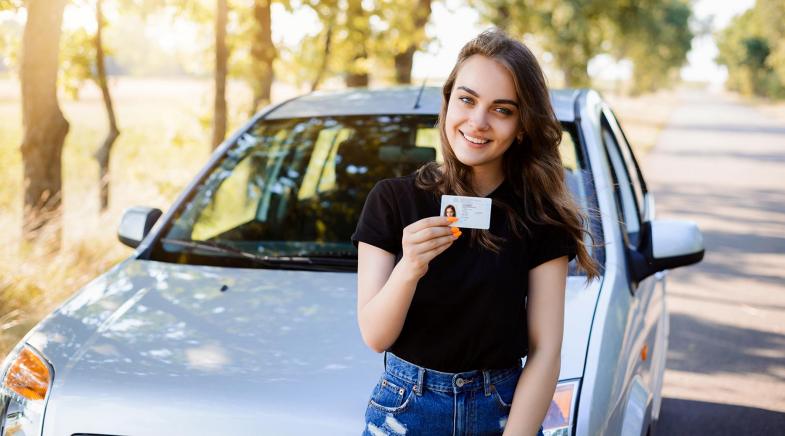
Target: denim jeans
[(413, 400)]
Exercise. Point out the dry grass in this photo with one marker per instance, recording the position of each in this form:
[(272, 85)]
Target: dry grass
[(164, 141)]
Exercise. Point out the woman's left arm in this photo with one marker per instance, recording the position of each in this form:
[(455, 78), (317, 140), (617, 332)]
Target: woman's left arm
[(545, 312)]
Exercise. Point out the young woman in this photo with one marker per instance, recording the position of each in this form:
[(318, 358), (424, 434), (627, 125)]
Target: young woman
[(456, 314)]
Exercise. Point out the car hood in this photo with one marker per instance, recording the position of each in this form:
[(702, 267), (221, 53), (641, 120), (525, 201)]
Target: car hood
[(160, 348)]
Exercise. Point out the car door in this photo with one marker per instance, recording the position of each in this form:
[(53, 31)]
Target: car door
[(639, 343)]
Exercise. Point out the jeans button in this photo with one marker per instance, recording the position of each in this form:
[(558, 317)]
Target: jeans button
[(459, 382)]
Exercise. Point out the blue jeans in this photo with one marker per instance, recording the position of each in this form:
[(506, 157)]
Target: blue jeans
[(413, 400)]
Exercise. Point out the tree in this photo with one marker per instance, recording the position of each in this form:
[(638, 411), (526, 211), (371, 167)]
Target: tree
[(571, 30), (315, 52), (221, 61), (263, 54), (45, 127), (103, 153), (404, 34), (357, 33), (752, 49), (653, 34)]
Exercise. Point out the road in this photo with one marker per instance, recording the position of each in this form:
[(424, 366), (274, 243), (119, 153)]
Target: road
[(721, 164)]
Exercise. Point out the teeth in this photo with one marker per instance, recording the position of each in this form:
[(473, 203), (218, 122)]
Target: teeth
[(476, 140)]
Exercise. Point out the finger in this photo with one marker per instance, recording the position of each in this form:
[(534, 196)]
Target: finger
[(431, 254), (429, 233), (428, 222), (434, 244)]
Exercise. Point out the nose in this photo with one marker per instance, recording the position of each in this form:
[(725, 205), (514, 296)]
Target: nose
[(478, 119)]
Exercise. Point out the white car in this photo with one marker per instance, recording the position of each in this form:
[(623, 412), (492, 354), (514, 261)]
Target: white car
[(236, 313)]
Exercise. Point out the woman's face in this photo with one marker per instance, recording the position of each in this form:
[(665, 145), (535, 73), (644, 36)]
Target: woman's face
[(482, 117), (449, 212)]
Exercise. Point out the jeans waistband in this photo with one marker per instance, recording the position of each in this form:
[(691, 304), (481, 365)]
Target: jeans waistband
[(446, 381)]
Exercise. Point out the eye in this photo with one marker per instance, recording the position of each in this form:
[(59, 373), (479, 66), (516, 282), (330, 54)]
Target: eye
[(465, 99), (503, 111)]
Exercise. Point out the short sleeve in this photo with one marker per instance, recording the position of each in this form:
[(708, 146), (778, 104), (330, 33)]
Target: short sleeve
[(379, 223), (550, 242)]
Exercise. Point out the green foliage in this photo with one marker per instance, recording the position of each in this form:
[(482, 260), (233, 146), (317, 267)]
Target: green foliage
[(364, 38), (77, 61), (653, 34), (10, 42), (752, 47), (6, 5)]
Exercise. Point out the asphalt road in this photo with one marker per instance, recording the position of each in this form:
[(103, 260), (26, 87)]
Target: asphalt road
[(721, 164)]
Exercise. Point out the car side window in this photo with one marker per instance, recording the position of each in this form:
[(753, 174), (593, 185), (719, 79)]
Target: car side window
[(623, 185), (637, 183)]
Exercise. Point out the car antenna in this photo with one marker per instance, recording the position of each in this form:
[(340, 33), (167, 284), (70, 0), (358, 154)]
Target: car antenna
[(422, 87), (419, 94)]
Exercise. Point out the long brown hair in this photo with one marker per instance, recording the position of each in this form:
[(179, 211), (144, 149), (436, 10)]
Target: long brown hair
[(532, 165)]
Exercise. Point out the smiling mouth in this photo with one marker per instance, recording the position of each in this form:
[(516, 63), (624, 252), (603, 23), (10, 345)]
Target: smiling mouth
[(473, 140)]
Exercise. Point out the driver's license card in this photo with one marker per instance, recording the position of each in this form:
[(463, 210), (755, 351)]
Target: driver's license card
[(472, 212)]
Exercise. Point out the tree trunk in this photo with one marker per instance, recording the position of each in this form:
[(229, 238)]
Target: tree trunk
[(323, 67), (357, 80), (45, 127), (263, 53), (221, 60), (405, 60), (359, 31), (103, 153), (403, 65)]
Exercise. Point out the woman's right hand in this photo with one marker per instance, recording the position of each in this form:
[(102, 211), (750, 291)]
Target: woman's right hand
[(425, 239)]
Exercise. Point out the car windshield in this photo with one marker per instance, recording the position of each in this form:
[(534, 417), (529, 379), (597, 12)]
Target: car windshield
[(288, 192)]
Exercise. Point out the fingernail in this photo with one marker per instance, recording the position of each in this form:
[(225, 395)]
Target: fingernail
[(456, 235), (455, 230), (452, 219)]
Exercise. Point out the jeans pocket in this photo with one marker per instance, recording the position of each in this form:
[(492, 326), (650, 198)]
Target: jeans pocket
[(504, 391), (391, 395)]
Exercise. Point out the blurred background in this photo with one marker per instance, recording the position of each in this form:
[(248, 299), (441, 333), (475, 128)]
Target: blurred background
[(106, 104)]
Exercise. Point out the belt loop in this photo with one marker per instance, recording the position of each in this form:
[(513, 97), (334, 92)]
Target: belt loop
[(486, 376), (420, 380)]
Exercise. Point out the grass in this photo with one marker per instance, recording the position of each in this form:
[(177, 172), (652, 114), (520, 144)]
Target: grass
[(164, 141)]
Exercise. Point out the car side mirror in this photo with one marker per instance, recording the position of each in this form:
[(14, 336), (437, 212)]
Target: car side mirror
[(667, 244), (136, 224)]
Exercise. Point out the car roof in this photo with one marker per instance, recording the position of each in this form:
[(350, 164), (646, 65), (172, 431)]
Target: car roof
[(394, 100)]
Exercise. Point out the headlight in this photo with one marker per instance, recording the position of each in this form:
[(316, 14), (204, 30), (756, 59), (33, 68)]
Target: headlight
[(558, 420), (23, 392)]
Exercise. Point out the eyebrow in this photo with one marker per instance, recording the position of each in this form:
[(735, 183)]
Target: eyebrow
[(498, 101)]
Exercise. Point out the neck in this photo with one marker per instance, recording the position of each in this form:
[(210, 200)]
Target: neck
[(485, 180)]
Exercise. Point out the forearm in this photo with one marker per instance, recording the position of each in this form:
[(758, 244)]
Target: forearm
[(533, 393), (381, 319)]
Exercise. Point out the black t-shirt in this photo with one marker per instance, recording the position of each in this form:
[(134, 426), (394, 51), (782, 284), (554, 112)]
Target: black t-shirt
[(468, 311)]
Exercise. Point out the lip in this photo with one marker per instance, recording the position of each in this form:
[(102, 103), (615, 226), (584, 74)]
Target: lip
[(474, 144)]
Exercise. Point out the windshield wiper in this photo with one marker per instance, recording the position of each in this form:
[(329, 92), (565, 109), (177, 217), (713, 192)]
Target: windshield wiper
[(350, 255), (288, 262)]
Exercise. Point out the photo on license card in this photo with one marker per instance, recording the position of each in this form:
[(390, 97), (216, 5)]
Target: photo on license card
[(472, 212)]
